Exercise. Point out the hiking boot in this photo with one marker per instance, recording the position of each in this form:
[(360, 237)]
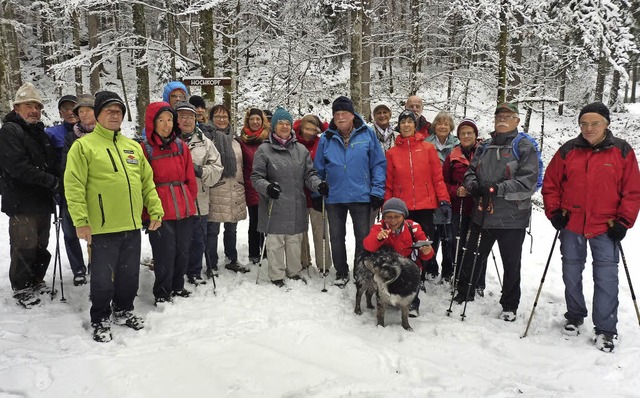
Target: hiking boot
[(605, 341), (210, 273), (254, 260), (196, 280), (237, 267), (341, 281), (278, 282), (127, 318), (298, 278), (162, 300), (572, 327), (462, 297), (79, 280), (41, 288), (26, 298), (181, 293), (413, 312), (102, 331), (508, 316)]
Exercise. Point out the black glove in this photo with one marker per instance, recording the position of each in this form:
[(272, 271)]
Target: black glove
[(617, 231), (56, 188), (323, 189), (376, 202), (198, 170), (474, 189), (317, 203), (445, 208), (488, 190), (559, 220), (273, 190)]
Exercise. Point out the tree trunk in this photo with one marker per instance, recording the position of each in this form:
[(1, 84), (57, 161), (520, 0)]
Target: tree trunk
[(117, 10), (75, 29), (513, 91), (140, 57), (356, 57), (12, 50), (207, 46), (602, 73), (5, 97), (367, 49), (615, 90), (635, 68), (184, 40), (171, 40), (416, 44), (94, 76), (503, 51), (47, 41)]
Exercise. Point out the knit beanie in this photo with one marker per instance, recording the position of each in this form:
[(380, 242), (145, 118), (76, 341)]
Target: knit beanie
[(83, 100), (467, 122), (343, 103), (280, 114), (596, 107), (27, 93), (184, 106), (407, 114), (106, 98), (197, 101), (395, 205)]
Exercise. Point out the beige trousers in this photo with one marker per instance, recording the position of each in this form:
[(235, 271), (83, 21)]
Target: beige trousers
[(316, 231), (279, 247)]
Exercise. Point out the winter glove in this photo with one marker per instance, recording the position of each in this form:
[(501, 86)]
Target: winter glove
[(317, 203), (376, 202), (323, 189), (56, 187), (488, 190), (617, 231), (474, 190), (273, 190), (198, 170), (445, 208), (559, 220)]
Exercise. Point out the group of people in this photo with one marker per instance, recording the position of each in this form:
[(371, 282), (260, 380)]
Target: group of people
[(188, 172)]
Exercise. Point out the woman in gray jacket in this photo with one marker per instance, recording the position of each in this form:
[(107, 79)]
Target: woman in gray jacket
[(282, 167)]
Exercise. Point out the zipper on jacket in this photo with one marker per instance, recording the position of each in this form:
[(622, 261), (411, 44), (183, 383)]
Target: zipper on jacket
[(133, 218), (101, 208), (113, 162)]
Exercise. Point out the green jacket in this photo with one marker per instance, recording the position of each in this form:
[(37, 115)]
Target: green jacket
[(107, 182)]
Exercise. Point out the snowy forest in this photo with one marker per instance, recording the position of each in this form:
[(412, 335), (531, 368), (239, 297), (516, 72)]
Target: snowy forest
[(543, 54)]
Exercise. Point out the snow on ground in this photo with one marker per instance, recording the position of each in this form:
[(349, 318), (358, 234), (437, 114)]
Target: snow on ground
[(256, 340)]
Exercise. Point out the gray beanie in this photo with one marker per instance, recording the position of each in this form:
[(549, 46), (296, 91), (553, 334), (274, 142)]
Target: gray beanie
[(395, 205)]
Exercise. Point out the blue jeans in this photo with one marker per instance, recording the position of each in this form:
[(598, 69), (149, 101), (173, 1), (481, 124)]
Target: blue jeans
[(573, 248), (337, 216)]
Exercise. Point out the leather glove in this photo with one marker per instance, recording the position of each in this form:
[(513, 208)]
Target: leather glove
[(617, 231), (559, 220), (376, 202), (445, 208), (474, 190), (273, 190), (198, 170), (317, 203), (323, 189)]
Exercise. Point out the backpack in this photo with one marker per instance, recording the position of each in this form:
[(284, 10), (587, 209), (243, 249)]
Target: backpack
[(148, 149)]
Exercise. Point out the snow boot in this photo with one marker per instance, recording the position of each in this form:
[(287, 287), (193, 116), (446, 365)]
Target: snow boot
[(163, 300), (211, 273), (341, 281), (462, 297), (572, 327), (605, 342), (298, 278), (26, 298), (508, 316), (181, 293), (278, 282), (102, 331), (79, 279), (127, 318), (237, 267), (196, 280), (414, 312)]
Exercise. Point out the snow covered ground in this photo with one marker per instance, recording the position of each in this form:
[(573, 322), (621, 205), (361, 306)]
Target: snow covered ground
[(253, 340)]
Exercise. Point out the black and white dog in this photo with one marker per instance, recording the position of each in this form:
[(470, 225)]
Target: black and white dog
[(392, 277)]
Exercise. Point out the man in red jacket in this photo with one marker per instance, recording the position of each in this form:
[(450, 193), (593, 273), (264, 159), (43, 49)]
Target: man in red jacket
[(591, 194)]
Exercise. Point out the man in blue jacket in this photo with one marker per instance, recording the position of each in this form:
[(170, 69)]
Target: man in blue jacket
[(350, 159)]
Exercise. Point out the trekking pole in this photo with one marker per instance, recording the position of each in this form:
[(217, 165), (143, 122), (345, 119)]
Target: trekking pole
[(455, 259), (530, 236), (544, 275), (457, 275), (626, 270), (497, 270), (324, 249), (264, 243), (207, 257), (57, 263)]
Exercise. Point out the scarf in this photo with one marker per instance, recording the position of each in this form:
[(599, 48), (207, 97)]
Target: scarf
[(80, 130), (249, 136), (223, 140)]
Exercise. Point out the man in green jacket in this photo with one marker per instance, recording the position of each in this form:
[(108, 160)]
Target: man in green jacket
[(107, 183)]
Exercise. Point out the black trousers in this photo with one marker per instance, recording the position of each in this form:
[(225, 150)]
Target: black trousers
[(255, 238), (28, 238), (510, 245), (170, 246), (115, 271)]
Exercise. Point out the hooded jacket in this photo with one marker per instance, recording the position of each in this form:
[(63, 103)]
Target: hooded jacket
[(594, 184), (354, 173), (400, 242), (205, 155), (108, 181), (172, 86), (173, 171)]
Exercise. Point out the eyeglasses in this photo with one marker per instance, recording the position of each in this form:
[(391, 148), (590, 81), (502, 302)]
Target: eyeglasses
[(180, 97), (466, 134), (505, 117), (221, 117), (595, 125)]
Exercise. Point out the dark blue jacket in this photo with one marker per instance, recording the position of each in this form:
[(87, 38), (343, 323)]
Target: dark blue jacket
[(353, 173)]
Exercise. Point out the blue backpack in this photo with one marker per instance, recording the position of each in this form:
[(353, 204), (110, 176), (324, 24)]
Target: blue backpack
[(516, 154)]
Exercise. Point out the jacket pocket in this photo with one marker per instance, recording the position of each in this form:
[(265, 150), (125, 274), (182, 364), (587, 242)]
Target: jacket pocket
[(101, 208), (113, 162)]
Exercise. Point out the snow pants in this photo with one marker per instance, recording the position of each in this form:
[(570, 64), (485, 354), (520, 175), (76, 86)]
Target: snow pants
[(605, 254), (115, 271), (170, 246)]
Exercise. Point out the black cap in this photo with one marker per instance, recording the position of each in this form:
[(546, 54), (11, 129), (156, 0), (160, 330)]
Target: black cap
[(67, 98), (596, 107), (106, 98), (342, 103), (407, 114), (197, 101)]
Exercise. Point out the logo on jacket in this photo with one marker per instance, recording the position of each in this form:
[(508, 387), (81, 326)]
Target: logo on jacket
[(132, 159)]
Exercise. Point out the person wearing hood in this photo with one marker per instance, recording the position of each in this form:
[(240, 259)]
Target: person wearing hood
[(282, 168), (207, 168), (175, 179), (351, 160), (253, 133), (86, 123), (174, 92), (414, 175), (227, 204), (442, 231), (108, 182)]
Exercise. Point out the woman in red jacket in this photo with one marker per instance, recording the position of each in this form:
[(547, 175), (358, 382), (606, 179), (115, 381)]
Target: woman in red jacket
[(176, 185), (414, 174)]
